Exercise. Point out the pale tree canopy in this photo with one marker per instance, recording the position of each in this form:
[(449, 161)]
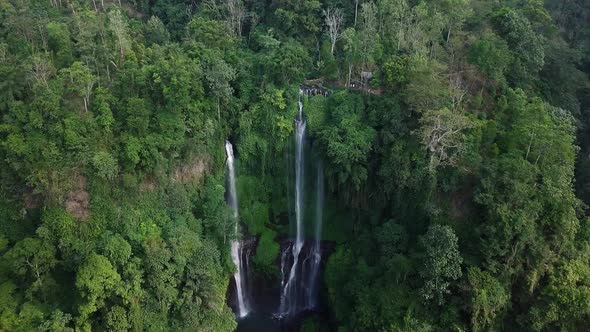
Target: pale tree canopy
[(334, 21)]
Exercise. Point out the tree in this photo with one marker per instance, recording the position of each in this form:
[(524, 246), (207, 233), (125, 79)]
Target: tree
[(118, 27), (116, 319), (491, 55), (368, 34), (236, 16), (42, 71), (443, 134), (488, 300), (334, 21), (396, 72), (524, 42), (564, 301), (58, 322), (105, 165), (33, 258), (219, 75), (348, 141), (81, 81), (60, 42), (427, 87), (455, 13), (441, 262), (96, 281), (156, 31), (352, 52)]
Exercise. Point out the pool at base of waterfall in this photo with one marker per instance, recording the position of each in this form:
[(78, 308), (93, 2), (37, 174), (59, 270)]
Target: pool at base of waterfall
[(259, 323), (263, 322)]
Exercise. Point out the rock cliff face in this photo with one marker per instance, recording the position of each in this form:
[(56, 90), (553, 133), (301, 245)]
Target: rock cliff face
[(264, 291)]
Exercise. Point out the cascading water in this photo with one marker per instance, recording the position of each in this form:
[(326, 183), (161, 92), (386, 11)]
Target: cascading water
[(236, 244), (316, 254), (289, 290)]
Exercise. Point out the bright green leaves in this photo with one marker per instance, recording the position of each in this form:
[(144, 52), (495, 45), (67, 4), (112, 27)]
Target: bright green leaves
[(57, 322), (442, 262), (565, 300), (117, 249), (102, 110), (116, 319), (78, 78), (267, 252), (395, 71), (276, 104), (275, 98), (529, 207), (97, 281), (255, 201), (489, 299)]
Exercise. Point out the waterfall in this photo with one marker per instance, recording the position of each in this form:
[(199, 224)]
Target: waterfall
[(236, 243), (289, 290), (316, 254)]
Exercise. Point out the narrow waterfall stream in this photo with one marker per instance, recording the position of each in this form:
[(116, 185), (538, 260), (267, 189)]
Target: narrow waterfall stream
[(311, 299), (282, 305), (236, 244), (289, 294)]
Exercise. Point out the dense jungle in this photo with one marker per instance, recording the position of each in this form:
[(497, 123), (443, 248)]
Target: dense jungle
[(294, 165)]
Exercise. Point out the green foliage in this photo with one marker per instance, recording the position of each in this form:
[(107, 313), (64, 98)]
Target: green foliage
[(96, 281), (564, 299), (395, 71), (442, 262), (489, 299), (156, 32), (523, 41), (347, 140), (105, 165), (113, 121), (60, 43), (267, 252), (491, 55)]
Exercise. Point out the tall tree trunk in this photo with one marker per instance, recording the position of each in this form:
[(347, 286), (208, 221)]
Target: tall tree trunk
[(356, 10), (449, 34), (349, 75)]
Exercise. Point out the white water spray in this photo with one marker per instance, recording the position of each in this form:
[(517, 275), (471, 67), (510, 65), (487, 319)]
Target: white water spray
[(236, 245), (316, 254), (289, 291)]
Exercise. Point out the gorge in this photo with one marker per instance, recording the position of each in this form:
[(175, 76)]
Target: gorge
[(299, 269)]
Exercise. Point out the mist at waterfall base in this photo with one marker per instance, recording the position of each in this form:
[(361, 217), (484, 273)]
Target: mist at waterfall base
[(282, 304)]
